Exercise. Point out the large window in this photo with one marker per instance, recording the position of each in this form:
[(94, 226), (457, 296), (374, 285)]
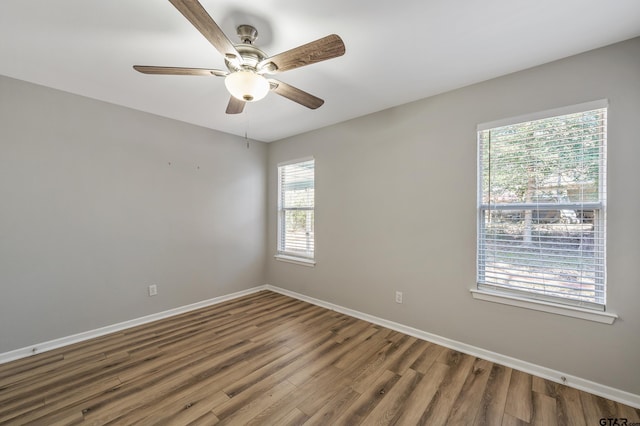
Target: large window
[(296, 200), (541, 206)]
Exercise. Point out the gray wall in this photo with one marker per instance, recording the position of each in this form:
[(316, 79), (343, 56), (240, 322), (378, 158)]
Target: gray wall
[(396, 209), (99, 201)]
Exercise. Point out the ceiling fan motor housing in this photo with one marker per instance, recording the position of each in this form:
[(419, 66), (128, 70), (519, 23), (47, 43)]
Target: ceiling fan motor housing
[(250, 58)]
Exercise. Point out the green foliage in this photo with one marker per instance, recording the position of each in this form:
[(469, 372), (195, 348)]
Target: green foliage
[(299, 220), (544, 160)]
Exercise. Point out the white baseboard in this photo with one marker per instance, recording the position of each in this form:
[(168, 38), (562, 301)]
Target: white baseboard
[(86, 335), (536, 370)]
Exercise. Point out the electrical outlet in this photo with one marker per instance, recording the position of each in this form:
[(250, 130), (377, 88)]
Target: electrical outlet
[(153, 290), (398, 297)]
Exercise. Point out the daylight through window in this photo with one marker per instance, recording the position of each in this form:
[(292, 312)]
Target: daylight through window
[(541, 206), (296, 199)]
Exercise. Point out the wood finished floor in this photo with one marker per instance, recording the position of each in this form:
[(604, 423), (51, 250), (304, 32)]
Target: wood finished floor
[(268, 359)]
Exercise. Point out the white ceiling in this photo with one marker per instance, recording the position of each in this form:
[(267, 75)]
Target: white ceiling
[(396, 52)]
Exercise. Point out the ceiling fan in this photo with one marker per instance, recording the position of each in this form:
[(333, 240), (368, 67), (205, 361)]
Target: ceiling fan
[(247, 65)]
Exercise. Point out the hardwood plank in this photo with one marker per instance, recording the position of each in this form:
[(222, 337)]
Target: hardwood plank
[(269, 359), (423, 394), (207, 419), (327, 358), (71, 398), (320, 318), (29, 363), (426, 359), (395, 336), (468, 402), (153, 360), (64, 418), (129, 396), (316, 395), (403, 361), (334, 408), (20, 372), (89, 375), (544, 410), (596, 408), (318, 388), (187, 409), (362, 406), (153, 389), (439, 408), (519, 400), (375, 340), (539, 385), (389, 408), (20, 408), (494, 397), (381, 363), (629, 413), (230, 370), (261, 318), (52, 386), (55, 376), (509, 420), (284, 366), (194, 396), (292, 335), (294, 418), (253, 406), (568, 407), (244, 390), (208, 379), (347, 327)]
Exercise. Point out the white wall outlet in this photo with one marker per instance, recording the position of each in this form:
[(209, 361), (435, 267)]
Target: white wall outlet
[(398, 297), (153, 290)]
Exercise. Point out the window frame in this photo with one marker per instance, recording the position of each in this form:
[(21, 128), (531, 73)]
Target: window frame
[(281, 254), (532, 300)]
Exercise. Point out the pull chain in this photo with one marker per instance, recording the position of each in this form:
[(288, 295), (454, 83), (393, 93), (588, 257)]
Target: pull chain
[(246, 126)]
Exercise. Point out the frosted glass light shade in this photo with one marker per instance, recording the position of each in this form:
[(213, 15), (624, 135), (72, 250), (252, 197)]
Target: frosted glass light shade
[(247, 86)]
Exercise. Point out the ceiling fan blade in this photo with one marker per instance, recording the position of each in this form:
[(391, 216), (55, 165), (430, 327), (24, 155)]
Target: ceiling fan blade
[(179, 71), (235, 106), (198, 16), (295, 94), (322, 49)]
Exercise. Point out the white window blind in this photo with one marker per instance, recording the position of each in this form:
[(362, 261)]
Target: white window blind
[(541, 206), (296, 200)]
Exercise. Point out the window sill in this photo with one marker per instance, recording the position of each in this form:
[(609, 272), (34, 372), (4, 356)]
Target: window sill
[(537, 305), (296, 260)]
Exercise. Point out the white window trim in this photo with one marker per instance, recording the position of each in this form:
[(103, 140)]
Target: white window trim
[(294, 161), (303, 261), (531, 303), (285, 256), (571, 109), (538, 305)]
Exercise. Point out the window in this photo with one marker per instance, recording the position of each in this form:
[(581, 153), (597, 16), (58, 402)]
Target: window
[(541, 206), (296, 210)]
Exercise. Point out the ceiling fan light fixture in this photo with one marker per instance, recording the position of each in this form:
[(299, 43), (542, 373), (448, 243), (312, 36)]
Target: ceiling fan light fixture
[(246, 64), (247, 86)]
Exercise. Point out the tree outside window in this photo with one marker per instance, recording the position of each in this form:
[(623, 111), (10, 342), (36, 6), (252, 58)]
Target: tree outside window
[(541, 206)]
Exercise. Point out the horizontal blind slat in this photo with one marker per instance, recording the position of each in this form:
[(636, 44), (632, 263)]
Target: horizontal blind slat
[(541, 206), (296, 204)]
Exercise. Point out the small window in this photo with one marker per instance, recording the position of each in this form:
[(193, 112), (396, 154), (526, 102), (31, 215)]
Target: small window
[(541, 206), (296, 201)]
